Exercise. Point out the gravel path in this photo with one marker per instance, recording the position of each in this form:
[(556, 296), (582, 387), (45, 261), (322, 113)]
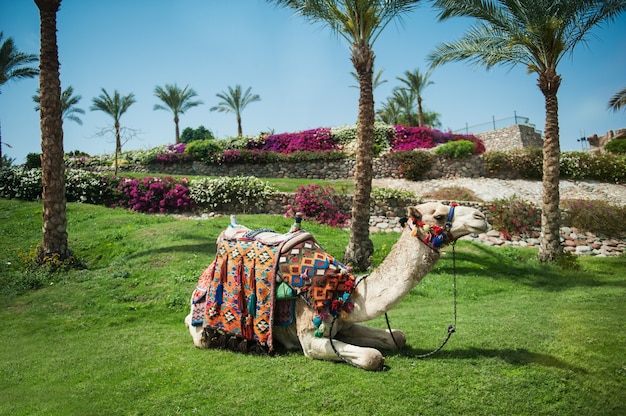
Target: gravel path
[(531, 191)]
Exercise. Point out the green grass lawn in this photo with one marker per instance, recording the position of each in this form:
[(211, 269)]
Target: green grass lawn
[(110, 340)]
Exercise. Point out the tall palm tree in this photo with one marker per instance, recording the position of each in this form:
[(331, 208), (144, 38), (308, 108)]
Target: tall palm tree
[(54, 242), (359, 22), (377, 80), (234, 101), (416, 82), (114, 106), (69, 110), (14, 66), (405, 100), (536, 34), (618, 100), (177, 101)]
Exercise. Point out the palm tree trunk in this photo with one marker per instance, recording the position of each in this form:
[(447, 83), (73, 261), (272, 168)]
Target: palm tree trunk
[(118, 145), (360, 247), (420, 112), (550, 245), (53, 169), (239, 129), (177, 131)]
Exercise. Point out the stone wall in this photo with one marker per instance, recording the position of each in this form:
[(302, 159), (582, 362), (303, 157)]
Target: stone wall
[(517, 136), (470, 167)]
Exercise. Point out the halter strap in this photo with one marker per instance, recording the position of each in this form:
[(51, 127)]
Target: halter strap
[(436, 236)]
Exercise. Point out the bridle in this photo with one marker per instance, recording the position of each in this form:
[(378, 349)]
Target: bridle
[(435, 236)]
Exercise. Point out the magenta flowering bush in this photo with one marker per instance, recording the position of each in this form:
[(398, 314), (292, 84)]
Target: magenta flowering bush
[(174, 153), (155, 194), (319, 204), (313, 140), (411, 138)]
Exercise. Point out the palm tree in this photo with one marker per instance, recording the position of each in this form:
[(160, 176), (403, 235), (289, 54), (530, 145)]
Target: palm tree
[(54, 244), (68, 105), (359, 22), (234, 101), (14, 65), (114, 106), (416, 82), (405, 100), (376, 81), (536, 34), (389, 112), (177, 101), (618, 100)]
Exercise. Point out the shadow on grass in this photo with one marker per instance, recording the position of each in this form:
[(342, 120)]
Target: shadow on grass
[(516, 357), (517, 265)]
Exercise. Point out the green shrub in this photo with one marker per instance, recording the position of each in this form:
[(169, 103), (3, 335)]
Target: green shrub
[(91, 188), (240, 193), (413, 163), (513, 216), (20, 183), (528, 163), (203, 150), (33, 160), (385, 194), (598, 217), (201, 133), (606, 167), (456, 149), (617, 147)]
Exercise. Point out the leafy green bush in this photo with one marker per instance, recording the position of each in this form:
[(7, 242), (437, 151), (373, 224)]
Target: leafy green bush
[(513, 216), (201, 133), (617, 147), (345, 135), (528, 163), (385, 194), (606, 167), (21, 183), (91, 188), (240, 193), (413, 163), (203, 150), (33, 160), (596, 217), (456, 149)]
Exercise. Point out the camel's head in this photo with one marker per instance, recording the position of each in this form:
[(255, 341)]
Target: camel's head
[(437, 224)]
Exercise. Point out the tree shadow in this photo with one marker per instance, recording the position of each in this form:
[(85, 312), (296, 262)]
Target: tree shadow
[(520, 266)]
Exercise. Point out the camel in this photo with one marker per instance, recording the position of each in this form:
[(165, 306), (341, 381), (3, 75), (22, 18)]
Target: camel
[(429, 226)]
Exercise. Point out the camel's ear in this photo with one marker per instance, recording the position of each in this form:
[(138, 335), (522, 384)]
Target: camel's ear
[(414, 213)]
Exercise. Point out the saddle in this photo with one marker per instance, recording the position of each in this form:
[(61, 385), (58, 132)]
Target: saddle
[(254, 280)]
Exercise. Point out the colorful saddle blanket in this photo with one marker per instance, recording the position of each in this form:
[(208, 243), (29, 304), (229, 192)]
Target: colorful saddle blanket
[(251, 285)]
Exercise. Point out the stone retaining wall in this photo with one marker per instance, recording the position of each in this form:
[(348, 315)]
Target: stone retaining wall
[(470, 167)]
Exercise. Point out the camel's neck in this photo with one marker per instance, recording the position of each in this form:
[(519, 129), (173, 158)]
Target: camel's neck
[(405, 266)]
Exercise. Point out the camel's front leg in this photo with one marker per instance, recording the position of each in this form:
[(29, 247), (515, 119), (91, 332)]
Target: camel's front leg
[(366, 336), (321, 349)]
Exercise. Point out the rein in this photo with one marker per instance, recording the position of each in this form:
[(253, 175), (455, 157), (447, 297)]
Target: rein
[(451, 328)]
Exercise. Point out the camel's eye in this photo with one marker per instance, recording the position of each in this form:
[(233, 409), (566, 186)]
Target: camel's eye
[(439, 217)]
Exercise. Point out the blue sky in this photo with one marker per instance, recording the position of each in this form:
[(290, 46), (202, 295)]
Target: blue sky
[(300, 70)]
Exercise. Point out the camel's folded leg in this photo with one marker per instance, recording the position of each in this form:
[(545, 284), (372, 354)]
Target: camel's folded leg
[(196, 333), (321, 349), (366, 336)]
